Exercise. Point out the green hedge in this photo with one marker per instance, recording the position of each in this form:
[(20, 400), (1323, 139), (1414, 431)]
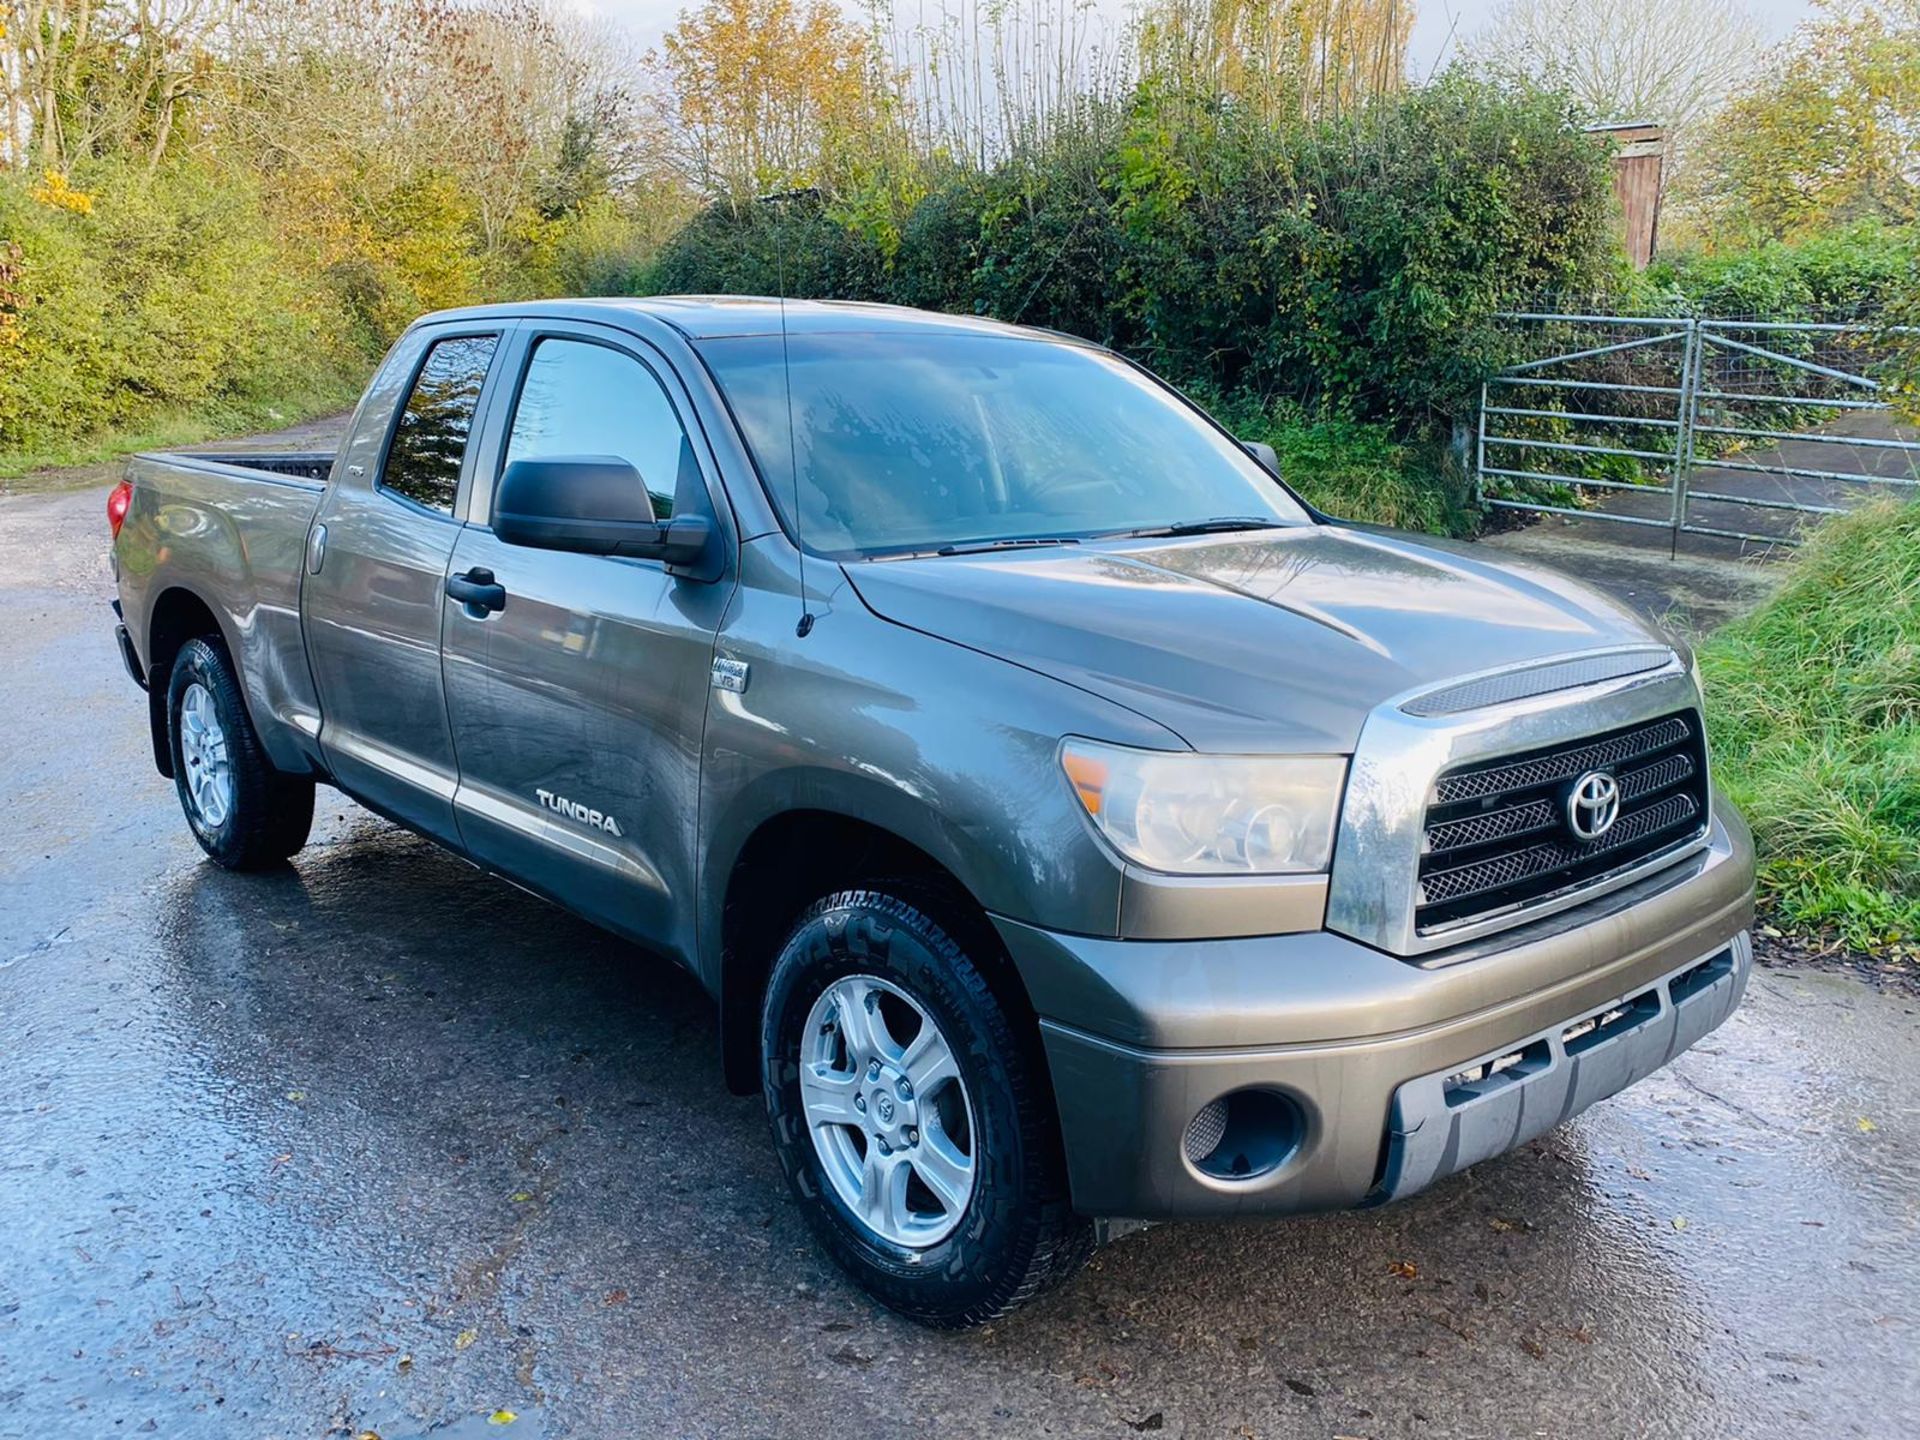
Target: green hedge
[(131, 296), (1328, 279), (1855, 270)]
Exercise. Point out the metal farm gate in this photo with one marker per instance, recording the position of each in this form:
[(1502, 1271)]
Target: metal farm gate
[(1693, 426)]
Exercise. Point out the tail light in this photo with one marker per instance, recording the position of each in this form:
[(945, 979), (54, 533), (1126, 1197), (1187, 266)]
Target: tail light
[(117, 502)]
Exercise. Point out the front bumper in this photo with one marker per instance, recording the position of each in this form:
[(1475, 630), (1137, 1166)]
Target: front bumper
[(1362, 1045)]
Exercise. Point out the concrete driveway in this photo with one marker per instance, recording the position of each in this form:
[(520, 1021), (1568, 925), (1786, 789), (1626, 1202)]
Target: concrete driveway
[(378, 1144)]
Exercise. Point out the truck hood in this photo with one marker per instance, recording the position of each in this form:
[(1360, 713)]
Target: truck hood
[(1275, 641)]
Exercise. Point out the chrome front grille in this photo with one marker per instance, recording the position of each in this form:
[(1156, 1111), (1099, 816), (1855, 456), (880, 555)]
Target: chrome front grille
[(1540, 769), (1496, 835)]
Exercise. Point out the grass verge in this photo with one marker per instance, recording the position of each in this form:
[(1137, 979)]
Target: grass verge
[(57, 468), (1355, 469), (1814, 711)]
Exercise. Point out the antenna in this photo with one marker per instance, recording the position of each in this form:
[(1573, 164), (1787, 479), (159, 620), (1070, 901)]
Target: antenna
[(805, 625)]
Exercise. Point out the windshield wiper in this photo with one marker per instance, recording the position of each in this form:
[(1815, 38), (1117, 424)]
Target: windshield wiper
[(979, 547), (1220, 524), (1017, 542)]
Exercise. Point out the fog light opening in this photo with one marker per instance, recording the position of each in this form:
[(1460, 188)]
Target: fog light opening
[(1244, 1135)]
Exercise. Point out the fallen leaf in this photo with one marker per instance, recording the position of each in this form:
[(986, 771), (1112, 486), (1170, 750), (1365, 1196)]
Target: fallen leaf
[(1533, 1348), (296, 1096), (1155, 1421), (520, 1197), (1865, 1126), (1679, 1222), (502, 1417), (465, 1338), (616, 1297), (1405, 1269)]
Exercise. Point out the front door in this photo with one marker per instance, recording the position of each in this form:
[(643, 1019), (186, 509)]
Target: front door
[(577, 707), (376, 568)]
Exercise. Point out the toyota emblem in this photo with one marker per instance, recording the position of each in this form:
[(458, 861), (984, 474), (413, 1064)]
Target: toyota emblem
[(1593, 805)]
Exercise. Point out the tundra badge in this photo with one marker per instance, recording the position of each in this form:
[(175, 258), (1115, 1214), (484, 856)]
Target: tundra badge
[(573, 810)]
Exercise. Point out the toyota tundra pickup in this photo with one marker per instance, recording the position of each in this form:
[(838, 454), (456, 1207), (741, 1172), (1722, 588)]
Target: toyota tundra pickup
[(1070, 823)]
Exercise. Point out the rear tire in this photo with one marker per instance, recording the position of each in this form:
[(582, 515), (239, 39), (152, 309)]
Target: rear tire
[(245, 814), (979, 1222)]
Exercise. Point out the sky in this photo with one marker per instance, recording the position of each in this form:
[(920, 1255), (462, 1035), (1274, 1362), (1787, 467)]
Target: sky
[(1437, 28), (1439, 25)]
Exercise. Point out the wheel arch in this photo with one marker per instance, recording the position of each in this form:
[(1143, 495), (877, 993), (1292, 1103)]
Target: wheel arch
[(796, 857), (179, 614)]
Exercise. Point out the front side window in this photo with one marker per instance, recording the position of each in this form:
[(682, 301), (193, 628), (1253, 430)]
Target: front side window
[(581, 399), (901, 442), (423, 462)]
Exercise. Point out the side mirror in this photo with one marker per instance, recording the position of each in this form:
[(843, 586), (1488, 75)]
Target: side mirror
[(592, 505), (1264, 453)]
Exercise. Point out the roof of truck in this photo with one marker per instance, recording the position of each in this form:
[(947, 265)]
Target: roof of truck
[(710, 317)]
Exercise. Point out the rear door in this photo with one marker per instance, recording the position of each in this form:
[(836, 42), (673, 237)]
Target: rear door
[(376, 567), (577, 707)]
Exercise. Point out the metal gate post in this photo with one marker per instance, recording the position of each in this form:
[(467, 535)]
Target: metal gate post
[(1683, 437), (1480, 455)]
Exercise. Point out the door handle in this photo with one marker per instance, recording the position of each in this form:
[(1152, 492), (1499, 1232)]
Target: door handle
[(477, 591)]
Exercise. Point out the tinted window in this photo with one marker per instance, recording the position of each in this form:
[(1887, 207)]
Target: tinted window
[(923, 440), (585, 399), (423, 463)]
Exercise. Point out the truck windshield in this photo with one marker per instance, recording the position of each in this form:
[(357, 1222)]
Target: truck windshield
[(914, 442)]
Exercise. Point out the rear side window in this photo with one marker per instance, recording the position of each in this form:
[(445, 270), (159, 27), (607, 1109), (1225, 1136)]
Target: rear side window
[(423, 462)]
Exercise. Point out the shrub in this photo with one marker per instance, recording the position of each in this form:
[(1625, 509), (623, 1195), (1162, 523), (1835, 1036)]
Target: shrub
[(766, 248), (1342, 271), (1856, 269), (1356, 469), (1814, 710), (166, 290)]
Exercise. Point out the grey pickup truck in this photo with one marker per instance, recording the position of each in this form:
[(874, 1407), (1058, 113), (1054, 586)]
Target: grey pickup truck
[(1071, 825)]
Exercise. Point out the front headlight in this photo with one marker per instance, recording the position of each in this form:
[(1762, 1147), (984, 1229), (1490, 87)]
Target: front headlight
[(1192, 814)]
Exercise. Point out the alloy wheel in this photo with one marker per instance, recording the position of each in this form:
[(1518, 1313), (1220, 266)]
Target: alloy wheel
[(887, 1111), (203, 750)]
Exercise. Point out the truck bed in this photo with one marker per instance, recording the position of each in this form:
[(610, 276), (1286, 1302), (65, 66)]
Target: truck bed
[(230, 529), (300, 464)]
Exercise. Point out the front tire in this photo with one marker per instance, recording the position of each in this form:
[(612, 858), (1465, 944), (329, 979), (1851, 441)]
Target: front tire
[(913, 1126), (245, 814)]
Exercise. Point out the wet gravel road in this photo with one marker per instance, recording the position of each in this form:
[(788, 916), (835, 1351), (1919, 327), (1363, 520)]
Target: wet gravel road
[(376, 1143)]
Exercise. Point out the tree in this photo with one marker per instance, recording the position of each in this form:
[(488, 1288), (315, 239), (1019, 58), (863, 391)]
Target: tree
[(1827, 132), (765, 95), (1669, 62), (81, 78), (1319, 57)]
